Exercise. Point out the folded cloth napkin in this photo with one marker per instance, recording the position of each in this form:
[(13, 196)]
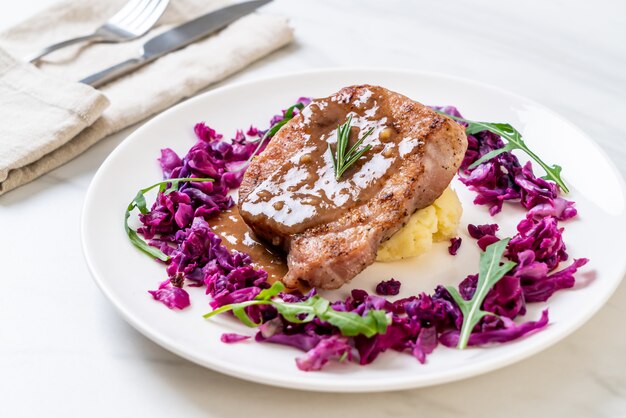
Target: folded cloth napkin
[(47, 118)]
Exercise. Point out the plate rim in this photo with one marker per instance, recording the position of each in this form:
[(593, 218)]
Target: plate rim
[(310, 383)]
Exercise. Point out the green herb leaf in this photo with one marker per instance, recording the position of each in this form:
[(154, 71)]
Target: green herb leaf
[(300, 312), (349, 323), (513, 141), (241, 314), (274, 290), (139, 202), (289, 114), (352, 324), (491, 270), (234, 306), (342, 159)]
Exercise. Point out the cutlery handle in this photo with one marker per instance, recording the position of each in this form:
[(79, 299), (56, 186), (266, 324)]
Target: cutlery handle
[(63, 44), (111, 73)]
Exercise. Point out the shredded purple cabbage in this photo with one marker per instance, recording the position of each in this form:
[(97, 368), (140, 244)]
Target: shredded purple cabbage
[(479, 231), (485, 234), (231, 338), (332, 347), (509, 332), (177, 224), (538, 249), (455, 244), (171, 296), (503, 178), (543, 237), (389, 287)]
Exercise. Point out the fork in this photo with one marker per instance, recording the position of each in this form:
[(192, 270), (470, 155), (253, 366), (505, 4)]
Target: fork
[(132, 21)]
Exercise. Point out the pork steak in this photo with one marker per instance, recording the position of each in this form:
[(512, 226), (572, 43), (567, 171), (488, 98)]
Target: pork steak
[(331, 228)]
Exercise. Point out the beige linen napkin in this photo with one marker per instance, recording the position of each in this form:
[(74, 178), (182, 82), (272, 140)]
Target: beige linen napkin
[(46, 118)]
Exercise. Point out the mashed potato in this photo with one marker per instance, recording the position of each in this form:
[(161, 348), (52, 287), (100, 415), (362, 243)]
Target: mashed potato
[(434, 223)]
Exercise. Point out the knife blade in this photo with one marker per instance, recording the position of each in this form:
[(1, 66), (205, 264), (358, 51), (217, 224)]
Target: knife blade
[(176, 38)]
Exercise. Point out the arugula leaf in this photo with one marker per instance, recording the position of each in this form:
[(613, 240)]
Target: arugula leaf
[(274, 290), (350, 324), (513, 141), (286, 118), (300, 312), (139, 202), (289, 114), (490, 272)]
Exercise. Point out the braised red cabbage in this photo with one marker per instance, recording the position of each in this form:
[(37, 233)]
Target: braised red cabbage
[(455, 244), (177, 224), (230, 338), (171, 296), (389, 287), (503, 178)]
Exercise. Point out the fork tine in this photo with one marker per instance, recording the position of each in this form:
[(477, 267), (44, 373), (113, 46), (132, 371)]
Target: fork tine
[(125, 11), (125, 20), (151, 18), (148, 16), (133, 20)]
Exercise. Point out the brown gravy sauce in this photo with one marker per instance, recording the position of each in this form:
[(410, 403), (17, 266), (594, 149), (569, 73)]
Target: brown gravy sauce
[(236, 235), (304, 192)]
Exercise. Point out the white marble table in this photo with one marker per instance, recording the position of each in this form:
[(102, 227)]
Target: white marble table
[(65, 352)]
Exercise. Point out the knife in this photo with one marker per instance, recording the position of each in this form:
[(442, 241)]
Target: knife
[(176, 38)]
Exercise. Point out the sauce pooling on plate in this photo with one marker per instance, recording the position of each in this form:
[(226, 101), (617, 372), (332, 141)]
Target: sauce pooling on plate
[(303, 192), (236, 235)]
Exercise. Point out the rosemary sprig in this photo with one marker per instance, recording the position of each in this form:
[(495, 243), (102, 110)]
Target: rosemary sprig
[(342, 159)]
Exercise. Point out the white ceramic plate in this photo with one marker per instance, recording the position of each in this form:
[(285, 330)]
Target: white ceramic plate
[(124, 274)]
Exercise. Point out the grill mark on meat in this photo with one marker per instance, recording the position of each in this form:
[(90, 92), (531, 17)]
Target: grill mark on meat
[(334, 229)]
